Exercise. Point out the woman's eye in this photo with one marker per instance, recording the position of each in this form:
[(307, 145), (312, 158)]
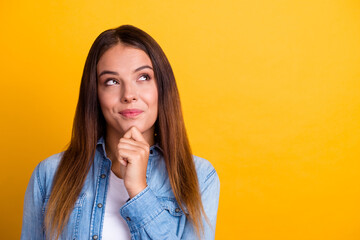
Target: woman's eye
[(144, 77), (111, 82)]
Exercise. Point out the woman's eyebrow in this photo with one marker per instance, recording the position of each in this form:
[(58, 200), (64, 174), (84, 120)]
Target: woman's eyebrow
[(142, 67), (107, 72), (115, 73)]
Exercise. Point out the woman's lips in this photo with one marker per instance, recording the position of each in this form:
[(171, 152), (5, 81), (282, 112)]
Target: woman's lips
[(129, 113)]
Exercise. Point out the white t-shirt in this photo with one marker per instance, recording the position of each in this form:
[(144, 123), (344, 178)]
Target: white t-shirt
[(115, 227)]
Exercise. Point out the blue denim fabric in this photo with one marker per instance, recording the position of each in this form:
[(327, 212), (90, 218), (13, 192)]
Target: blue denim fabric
[(152, 214)]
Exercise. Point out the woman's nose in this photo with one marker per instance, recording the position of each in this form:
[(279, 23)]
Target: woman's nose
[(129, 93)]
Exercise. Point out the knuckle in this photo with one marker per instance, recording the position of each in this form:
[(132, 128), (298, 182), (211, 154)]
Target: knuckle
[(143, 151)]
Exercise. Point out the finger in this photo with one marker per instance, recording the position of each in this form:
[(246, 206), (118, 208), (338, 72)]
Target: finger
[(137, 151), (127, 155), (135, 134), (133, 156), (130, 146), (132, 142), (123, 162), (128, 133)]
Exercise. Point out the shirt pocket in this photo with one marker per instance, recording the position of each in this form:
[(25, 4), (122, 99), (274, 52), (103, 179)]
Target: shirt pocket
[(178, 219), (71, 229), (171, 205)]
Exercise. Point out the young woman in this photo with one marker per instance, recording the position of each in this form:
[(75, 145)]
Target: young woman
[(128, 172)]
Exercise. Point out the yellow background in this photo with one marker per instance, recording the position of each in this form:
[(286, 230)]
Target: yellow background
[(269, 89)]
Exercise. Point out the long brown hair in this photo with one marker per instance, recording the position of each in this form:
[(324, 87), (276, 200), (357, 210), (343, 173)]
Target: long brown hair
[(89, 124)]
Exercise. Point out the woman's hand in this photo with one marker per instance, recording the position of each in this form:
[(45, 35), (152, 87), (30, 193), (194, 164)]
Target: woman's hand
[(133, 154)]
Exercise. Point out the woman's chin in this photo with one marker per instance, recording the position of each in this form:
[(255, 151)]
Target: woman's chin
[(138, 126), (122, 129)]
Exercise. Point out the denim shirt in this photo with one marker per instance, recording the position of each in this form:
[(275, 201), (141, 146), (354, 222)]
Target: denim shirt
[(152, 214)]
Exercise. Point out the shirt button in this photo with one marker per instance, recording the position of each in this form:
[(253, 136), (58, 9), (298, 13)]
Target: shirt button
[(99, 205), (129, 219), (95, 237), (103, 176), (177, 210), (151, 151)]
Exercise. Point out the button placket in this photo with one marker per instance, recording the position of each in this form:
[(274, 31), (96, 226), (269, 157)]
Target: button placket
[(98, 210)]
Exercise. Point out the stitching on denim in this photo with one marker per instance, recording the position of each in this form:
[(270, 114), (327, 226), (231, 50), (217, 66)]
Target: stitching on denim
[(145, 220), (95, 197), (39, 182), (210, 175)]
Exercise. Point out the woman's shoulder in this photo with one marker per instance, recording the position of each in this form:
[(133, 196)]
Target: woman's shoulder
[(46, 169), (205, 171), (50, 163), (43, 174), (203, 166)]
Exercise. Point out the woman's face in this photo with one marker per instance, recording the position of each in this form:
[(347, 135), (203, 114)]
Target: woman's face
[(127, 90)]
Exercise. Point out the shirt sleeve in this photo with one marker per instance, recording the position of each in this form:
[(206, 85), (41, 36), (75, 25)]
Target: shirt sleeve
[(148, 219), (210, 198), (32, 224)]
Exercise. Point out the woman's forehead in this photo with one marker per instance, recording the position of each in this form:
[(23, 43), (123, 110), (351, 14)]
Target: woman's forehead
[(123, 56)]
